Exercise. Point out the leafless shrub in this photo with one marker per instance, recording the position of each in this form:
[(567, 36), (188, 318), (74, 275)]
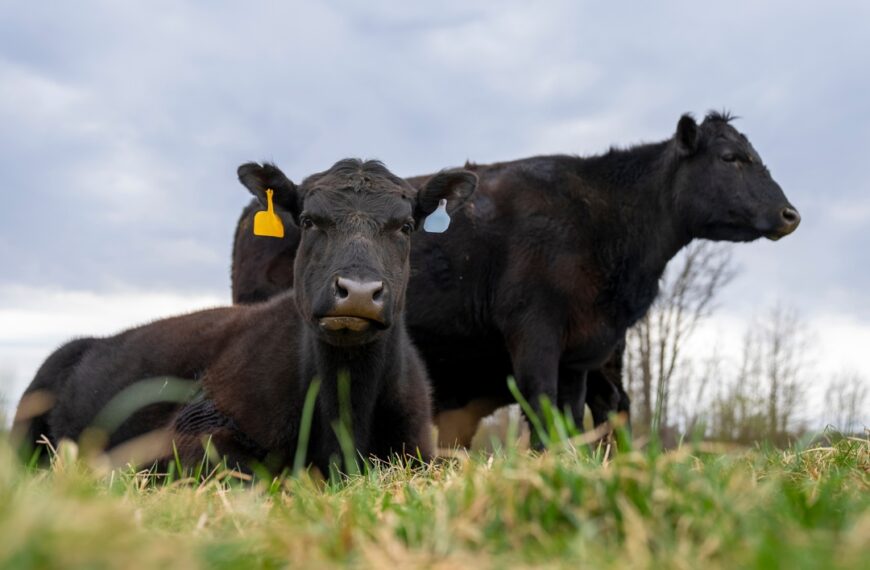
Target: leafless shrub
[(655, 345), (764, 398), (846, 403)]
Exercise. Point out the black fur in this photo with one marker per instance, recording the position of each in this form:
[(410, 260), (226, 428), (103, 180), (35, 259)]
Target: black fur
[(255, 364), (555, 257)]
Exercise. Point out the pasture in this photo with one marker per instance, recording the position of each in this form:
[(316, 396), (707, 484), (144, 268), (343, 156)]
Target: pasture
[(697, 506), (555, 332)]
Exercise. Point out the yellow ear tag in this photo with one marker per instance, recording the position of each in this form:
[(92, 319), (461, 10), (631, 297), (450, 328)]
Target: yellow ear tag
[(268, 223)]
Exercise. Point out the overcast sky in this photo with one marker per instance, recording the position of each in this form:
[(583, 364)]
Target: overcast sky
[(121, 125)]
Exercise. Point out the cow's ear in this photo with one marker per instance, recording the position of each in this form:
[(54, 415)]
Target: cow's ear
[(687, 135), (456, 186), (257, 179)]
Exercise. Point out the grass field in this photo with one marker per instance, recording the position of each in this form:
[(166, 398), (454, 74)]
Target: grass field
[(696, 507)]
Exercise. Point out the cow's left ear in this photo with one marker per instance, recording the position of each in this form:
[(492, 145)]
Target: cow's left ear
[(687, 136), (456, 186), (259, 178)]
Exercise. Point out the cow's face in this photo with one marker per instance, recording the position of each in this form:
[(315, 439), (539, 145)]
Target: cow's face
[(356, 221), (723, 189)]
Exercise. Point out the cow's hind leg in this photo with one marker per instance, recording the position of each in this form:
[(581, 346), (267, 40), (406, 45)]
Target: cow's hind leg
[(205, 436), (31, 423), (572, 395), (602, 396)]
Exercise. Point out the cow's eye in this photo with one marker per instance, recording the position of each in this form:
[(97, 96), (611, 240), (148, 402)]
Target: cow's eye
[(729, 157), (306, 223), (407, 228)]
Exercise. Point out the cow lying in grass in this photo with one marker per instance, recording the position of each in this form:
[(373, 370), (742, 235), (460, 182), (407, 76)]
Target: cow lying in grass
[(555, 257), (253, 365)]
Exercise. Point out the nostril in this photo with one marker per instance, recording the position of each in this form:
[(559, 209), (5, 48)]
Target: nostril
[(790, 216), (378, 292), (340, 291), (360, 299)]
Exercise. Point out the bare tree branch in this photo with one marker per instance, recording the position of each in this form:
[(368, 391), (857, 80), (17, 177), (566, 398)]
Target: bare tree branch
[(655, 345)]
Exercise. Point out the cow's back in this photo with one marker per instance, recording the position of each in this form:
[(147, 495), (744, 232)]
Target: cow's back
[(163, 358)]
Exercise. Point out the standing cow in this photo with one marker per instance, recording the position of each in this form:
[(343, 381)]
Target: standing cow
[(254, 364), (557, 256)]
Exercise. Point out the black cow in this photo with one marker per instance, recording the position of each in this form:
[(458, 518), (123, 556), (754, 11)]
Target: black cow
[(254, 364), (556, 256), (262, 267)]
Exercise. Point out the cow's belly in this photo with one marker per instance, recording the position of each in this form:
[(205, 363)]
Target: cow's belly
[(462, 369), (584, 359), (592, 348)]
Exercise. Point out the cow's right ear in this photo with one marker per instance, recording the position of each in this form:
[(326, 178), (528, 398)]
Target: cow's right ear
[(257, 179), (455, 186)]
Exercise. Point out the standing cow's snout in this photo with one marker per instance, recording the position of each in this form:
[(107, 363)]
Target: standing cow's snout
[(784, 222), (364, 299), (790, 218)]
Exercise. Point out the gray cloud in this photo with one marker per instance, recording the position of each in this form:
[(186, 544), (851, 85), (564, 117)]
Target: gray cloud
[(123, 125)]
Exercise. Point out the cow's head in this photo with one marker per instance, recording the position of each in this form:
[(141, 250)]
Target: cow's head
[(356, 220), (722, 186)]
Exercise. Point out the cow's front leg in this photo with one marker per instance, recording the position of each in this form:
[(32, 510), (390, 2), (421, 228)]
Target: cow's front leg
[(535, 357), (343, 425), (404, 432)]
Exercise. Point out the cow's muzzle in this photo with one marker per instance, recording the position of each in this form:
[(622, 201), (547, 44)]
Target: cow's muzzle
[(357, 306), (786, 222)]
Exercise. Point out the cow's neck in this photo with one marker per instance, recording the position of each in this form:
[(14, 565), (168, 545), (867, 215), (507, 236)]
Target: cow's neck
[(370, 360), (648, 232), (368, 370)]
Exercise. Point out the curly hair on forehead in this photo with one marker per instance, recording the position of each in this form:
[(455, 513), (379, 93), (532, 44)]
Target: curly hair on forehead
[(723, 116), (359, 174)]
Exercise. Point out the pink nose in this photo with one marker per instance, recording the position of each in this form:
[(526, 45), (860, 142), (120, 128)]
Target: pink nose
[(362, 299)]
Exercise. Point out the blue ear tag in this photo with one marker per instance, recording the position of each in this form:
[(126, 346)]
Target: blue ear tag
[(438, 221)]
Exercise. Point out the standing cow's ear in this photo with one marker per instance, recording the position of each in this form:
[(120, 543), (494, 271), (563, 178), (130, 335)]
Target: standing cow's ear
[(687, 135), (456, 186), (258, 179)]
